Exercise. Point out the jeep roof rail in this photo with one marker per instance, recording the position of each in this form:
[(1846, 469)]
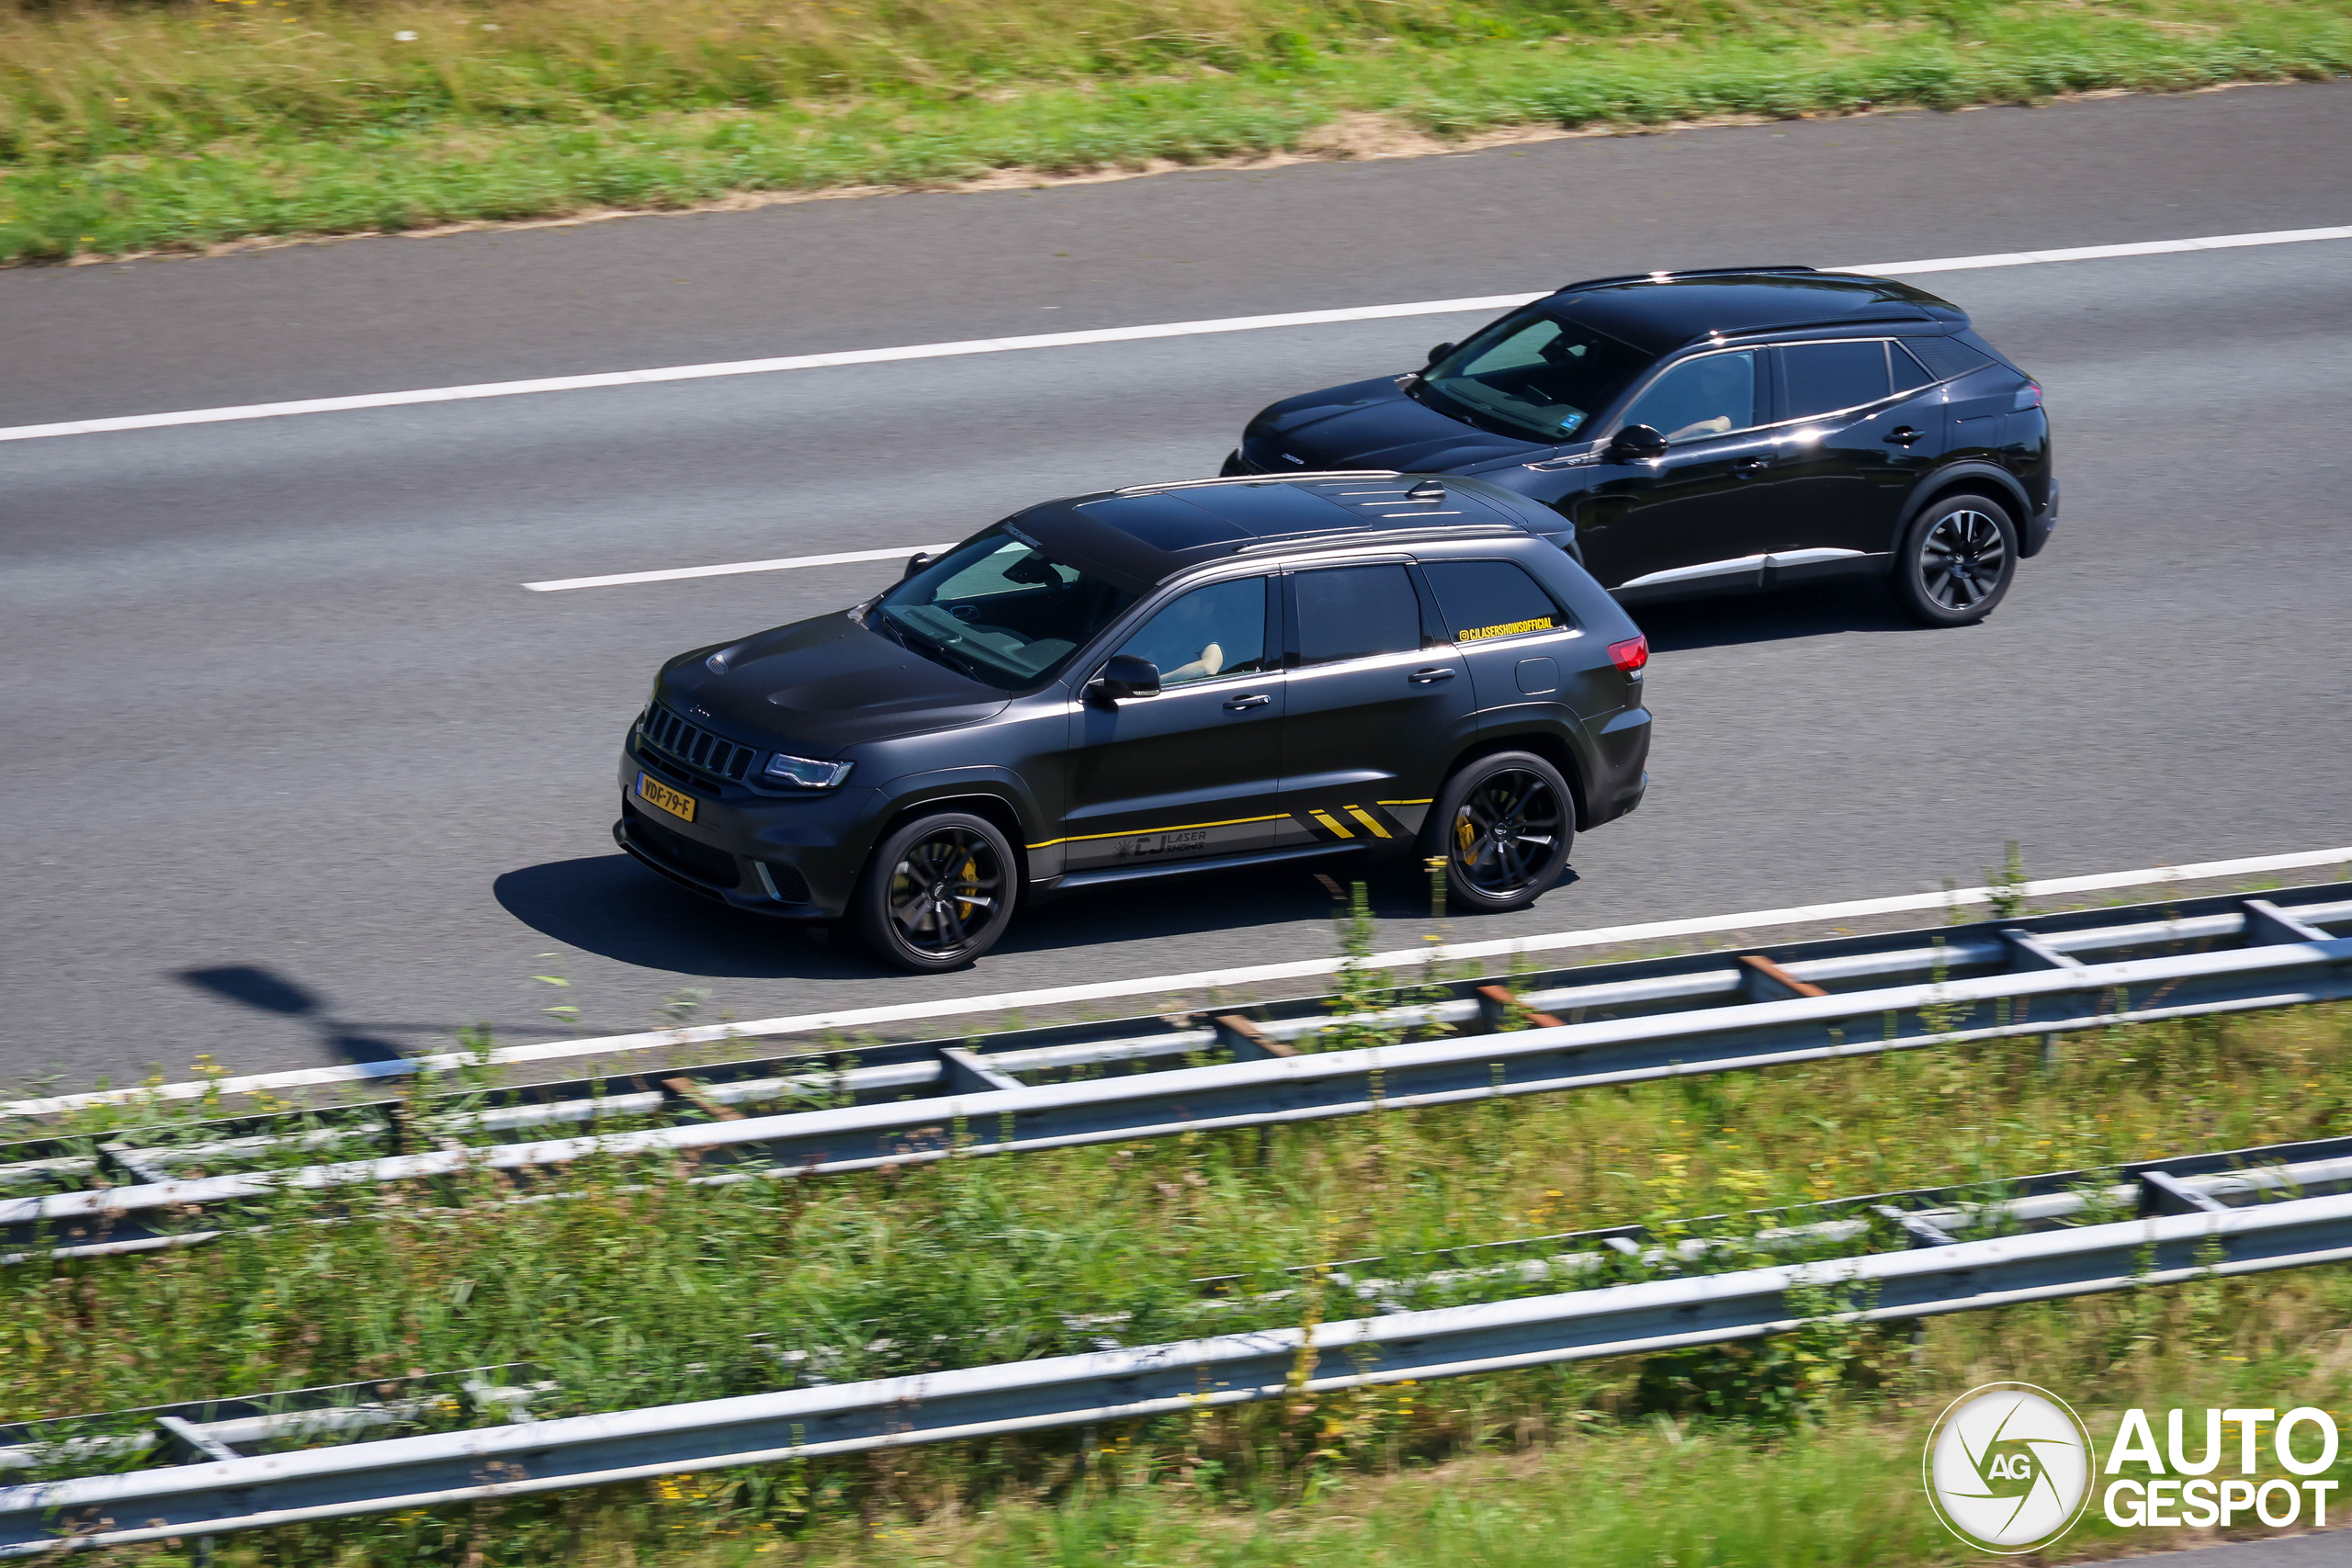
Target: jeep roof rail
[(1681, 272), (1262, 480)]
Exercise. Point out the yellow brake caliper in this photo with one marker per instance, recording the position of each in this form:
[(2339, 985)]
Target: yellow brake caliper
[(1464, 835), (971, 876)]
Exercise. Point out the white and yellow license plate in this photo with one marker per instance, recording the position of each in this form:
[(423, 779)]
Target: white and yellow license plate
[(676, 802)]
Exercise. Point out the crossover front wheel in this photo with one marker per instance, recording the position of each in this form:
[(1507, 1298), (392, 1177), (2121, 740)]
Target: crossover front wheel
[(937, 892), (1956, 562), (1507, 822)]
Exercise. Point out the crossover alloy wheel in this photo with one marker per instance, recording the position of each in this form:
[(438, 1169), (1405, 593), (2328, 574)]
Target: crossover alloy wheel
[(1957, 561), (937, 893), (1507, 824)]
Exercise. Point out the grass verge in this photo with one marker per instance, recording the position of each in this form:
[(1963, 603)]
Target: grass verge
[(645, 1288), (178, 125)]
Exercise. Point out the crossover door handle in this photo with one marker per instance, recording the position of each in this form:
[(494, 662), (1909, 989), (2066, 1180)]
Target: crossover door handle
[(1748, 468), (1903, 436), (1434, 672), (1259, 701)]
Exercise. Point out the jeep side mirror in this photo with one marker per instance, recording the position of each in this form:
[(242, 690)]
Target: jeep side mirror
[(1637, 441), (1439, 351), (916, 562), (1127, 676)]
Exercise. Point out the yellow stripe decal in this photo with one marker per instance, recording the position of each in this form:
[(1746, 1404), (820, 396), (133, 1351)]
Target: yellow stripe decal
[(1378, 831), (1326, 819), (1143, 832), (1400, 803)]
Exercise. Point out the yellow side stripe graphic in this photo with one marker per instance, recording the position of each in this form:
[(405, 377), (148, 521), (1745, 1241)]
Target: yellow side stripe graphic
[(1330, 821), (1146, 832), (1401, 803), (1378, 831)]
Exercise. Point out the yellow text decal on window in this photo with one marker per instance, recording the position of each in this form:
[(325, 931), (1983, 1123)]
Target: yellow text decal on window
[(1542, 624)]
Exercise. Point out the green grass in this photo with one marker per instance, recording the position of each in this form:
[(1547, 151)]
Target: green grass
[(184, 124), (644, 1288)]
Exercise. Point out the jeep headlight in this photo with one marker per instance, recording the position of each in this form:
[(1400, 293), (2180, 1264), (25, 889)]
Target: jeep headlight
[(808, 772)]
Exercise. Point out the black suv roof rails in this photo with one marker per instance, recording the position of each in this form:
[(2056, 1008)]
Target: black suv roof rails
[(1680, 273), (1262, 480)]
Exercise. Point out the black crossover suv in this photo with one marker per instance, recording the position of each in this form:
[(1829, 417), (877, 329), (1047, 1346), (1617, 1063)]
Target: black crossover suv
[(1724, 431), (1152, 681)]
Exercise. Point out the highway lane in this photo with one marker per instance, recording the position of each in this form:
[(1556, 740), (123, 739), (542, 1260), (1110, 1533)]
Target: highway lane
[(301, 774)]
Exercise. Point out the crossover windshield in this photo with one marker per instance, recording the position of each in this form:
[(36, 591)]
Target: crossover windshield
[(1535, 376), (996, 609)]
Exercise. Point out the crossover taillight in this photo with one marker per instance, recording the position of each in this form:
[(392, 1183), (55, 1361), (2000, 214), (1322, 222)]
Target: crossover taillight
[(1630, 656), (2031, 397)]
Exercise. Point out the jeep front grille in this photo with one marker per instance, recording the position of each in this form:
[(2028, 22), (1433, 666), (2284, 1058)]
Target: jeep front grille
[(714, 754)]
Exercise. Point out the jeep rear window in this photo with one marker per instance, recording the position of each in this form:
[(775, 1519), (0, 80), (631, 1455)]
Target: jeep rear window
[(1484, 598), (999, 609), (1535, 376)]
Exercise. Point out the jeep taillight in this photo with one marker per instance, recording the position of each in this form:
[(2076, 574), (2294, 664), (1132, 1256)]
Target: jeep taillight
[(2031, 396), (1630, 656)]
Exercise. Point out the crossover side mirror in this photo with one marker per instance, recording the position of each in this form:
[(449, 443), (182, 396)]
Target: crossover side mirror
[(1439, 351), (1127, 676), (916, 562), (1637, 441)]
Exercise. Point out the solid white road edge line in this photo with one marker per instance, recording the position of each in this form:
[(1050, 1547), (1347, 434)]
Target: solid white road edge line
[(1069, 340), (1402, 958), (789, 563)]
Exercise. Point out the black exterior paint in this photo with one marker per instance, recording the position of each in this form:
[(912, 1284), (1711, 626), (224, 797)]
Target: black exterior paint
[(1720, 513), (1340, 759)]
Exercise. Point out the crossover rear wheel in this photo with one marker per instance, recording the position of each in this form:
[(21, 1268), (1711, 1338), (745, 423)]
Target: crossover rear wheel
[(1506, 822), (936, 893), (1956, 560)]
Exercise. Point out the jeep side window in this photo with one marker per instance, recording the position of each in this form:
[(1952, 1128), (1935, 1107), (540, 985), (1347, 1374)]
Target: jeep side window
[(1355, 612), (1711, 395), (1822, 378), (1486, 599), (1212, 631)]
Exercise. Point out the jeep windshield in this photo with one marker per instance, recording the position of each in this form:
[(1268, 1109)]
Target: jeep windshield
[(997, 609), (1535, 376)]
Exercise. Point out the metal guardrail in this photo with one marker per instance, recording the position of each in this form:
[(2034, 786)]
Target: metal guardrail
[(1672, 1017), (228, 1492)]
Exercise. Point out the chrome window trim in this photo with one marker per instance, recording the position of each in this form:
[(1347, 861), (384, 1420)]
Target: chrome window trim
[(1774, 424)]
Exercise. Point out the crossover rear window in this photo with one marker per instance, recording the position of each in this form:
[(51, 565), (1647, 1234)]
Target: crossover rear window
[(1484, 598)]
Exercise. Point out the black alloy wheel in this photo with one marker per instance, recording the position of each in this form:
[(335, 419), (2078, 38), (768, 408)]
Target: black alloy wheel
[(1507, 823), (937, 893), (1957, 561)]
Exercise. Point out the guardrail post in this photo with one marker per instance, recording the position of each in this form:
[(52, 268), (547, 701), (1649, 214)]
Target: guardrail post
[(131, 1162), (1246, 1041), (1765, 981), (2161, 1192), (1496, 1008), (1923, 1232), (969, 1074), (2265, 923), (2027, 951)]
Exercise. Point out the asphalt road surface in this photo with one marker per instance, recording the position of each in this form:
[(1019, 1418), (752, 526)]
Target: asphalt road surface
[(298, 772)]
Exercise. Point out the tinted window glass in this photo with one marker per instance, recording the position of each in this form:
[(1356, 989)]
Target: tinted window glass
[(1909, 374), (1350, 611), (1708, 396), (997, 609), (1536, 377), (1945, 357), (1820, 377), (1490, 598), (1212, 631)]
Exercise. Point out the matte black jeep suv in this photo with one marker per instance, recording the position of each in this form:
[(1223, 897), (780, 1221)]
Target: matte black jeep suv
[(1151, 681), (1716, 432)]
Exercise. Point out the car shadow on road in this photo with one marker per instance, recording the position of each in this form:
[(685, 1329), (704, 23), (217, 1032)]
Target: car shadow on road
[(1814, 610), (610, 905)]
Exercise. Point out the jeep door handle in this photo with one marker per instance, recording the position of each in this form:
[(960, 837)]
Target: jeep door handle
[(1231, 704), (1903, 436), (1748, 468), (1435, 672)]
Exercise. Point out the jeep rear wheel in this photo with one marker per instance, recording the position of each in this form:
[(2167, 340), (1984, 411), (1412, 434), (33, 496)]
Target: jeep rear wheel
[(1505, 822)]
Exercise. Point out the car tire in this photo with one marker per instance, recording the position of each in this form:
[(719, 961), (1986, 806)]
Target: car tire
[(1503, 823), (1956, 562), (936, 893)]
